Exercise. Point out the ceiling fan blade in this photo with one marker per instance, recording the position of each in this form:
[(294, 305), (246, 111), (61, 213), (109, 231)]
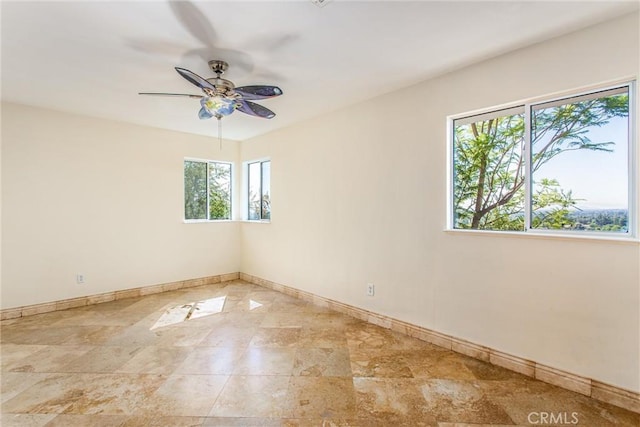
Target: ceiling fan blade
[(254, 109), (194, 21), (195, 79), (171, 94), (258, 91)]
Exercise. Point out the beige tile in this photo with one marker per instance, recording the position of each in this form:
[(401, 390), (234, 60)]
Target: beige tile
[(13, 383), (470, 349), (381, 321), (91, 334), (155, 360), (615, 396), (101, 298), (13, 355), (379, 364), (67, 420), (211, 361), (322, 362), (328, 337), (276, 337), (159, 421), (285, 319), (211, 280), (49, 359), (328, 422), (184, 395), (25, 420), (437, 362), (230, 336), (371, 336), (523, 399), (253, 396), (111, 394), (127, 293), (513, 363), (173, 286), (71, 303), (563, 379), (105, 359), (266, 361), (229, 276), (391, 402), (52, 395), (242, 422), (150, 290), (10, 313), (322, 397), (188, 336), (435, 338), (38, 309), (460, 401)]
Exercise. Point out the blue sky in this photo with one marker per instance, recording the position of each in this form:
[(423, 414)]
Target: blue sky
[(601, 178)]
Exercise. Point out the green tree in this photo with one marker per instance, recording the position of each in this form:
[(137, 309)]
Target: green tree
[(489, 163), (219, 191), (195, 190)]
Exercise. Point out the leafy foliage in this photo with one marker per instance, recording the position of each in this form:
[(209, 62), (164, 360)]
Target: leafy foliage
[(195, 190)]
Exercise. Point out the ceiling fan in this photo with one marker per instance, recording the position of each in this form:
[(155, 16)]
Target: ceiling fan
[(221, 97)]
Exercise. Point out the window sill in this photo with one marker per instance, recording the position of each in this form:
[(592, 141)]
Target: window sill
[(206, 221), (547, 236), (216, 221)]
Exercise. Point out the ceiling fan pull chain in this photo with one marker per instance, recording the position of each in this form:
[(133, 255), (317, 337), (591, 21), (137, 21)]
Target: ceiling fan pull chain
[(220, 132)]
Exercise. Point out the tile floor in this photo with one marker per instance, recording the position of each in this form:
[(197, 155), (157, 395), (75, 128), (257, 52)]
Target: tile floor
[(248, 356)]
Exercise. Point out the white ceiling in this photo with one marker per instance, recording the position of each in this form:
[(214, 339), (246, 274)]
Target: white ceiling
[(93, 58)]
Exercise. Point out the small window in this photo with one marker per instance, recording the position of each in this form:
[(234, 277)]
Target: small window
[(207, 190), (562, 165), (259, 184)]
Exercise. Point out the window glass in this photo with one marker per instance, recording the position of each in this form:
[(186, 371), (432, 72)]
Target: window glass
[(579, 163), (254, 191), (219, 191), (207, 190), (266, 185), (195, 190), (489, 171)]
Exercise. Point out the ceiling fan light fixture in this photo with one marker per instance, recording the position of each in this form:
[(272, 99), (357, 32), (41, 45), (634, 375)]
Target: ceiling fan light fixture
[(216, 106)]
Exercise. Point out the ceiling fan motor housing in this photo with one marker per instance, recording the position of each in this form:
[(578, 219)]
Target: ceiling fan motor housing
[(218, 66), (223, 87)]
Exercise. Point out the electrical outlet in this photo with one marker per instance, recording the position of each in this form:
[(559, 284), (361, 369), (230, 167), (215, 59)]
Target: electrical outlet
[(370, 290), (80, 279)]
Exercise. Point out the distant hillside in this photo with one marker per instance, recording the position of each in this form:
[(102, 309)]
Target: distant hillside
[(600, 220)]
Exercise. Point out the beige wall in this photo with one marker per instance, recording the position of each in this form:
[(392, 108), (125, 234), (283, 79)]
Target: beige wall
[(101, 198), (359, 196)]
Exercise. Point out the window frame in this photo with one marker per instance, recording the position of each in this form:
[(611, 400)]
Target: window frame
[(247, 187), (231, 190), (528, 105)]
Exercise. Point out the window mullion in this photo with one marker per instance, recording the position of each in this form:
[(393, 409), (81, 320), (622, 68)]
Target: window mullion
[(208, 201), (260, 198), (526, 153), (632, 152)]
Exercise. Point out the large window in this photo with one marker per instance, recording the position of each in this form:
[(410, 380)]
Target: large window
[(207, 190), (259, 200), (559, 165)]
